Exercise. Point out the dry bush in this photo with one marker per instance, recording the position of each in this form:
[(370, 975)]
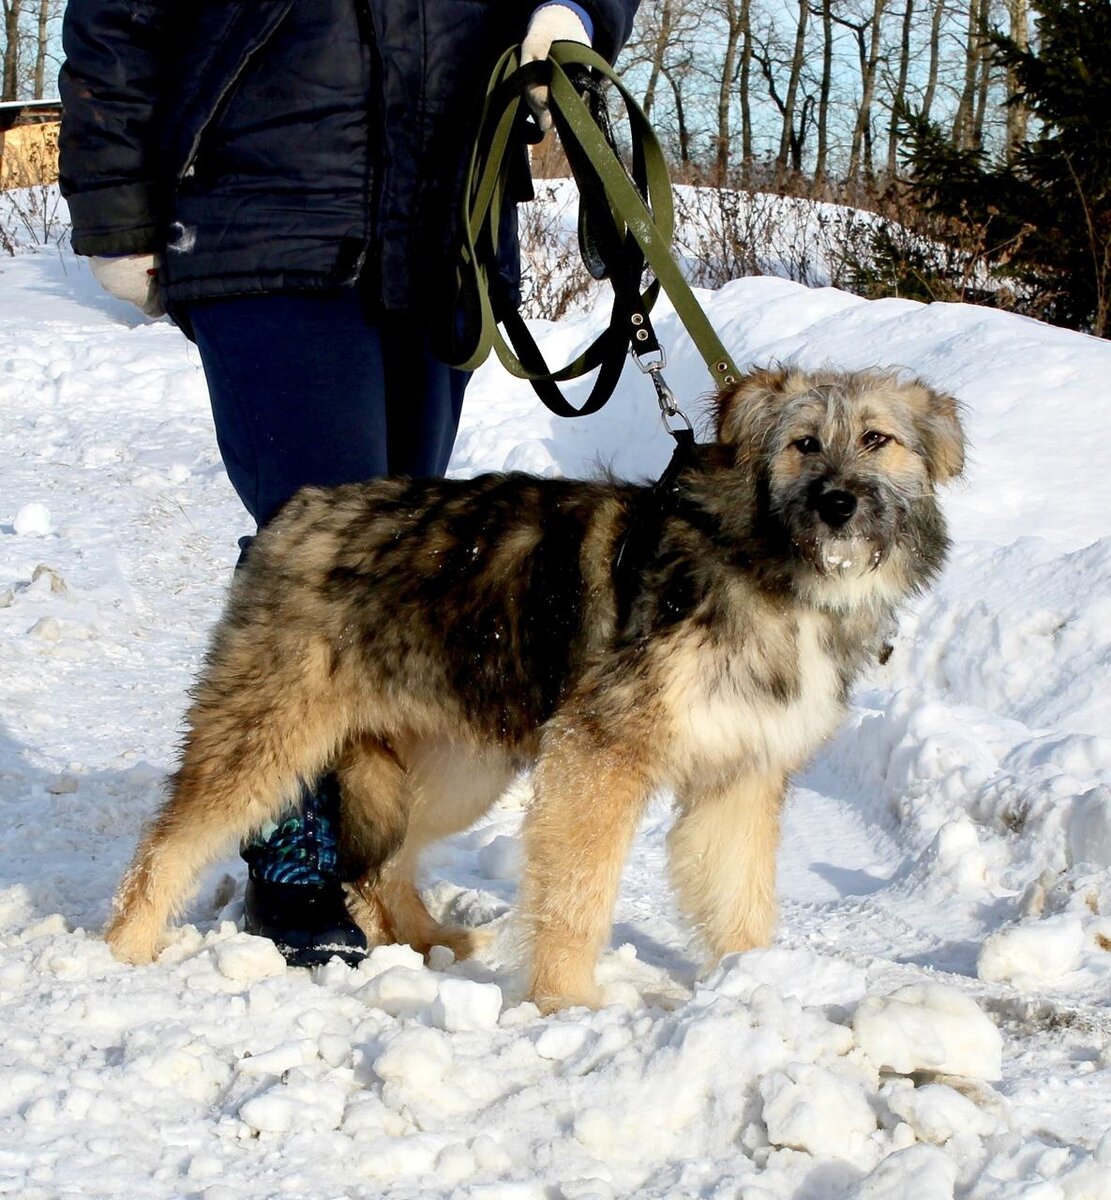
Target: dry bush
[(31, 208)]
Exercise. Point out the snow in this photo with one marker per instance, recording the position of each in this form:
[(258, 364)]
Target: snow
[(932, 1020), (929, 1027), (32, 520)]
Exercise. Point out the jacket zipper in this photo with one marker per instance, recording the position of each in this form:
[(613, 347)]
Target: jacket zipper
[(374, 164)]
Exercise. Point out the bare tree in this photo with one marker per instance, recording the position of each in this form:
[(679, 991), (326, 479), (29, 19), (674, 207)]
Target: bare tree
[(964, 121), (790, 140), (662, 45), (824, 89), (984, 69), (867, 32), (1017, 115), (42, 42), (937, 17), (10, 11), (899, 92), (735, 14), (657, 37), (819, 86)]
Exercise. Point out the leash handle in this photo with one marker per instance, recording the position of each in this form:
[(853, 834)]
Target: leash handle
[(625, 222)]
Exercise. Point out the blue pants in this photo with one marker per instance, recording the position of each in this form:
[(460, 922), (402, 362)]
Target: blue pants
[(314, 388)]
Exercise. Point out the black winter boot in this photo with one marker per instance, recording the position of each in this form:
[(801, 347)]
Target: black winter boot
[(294, 896)]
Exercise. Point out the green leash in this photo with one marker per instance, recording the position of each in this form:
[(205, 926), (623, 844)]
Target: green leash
[(626, 221)]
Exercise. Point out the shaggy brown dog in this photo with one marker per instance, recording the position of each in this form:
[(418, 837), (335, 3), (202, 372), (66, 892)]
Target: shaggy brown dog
[(428, 636)]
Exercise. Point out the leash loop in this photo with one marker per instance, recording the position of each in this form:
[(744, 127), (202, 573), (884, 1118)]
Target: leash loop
[(626, 221)]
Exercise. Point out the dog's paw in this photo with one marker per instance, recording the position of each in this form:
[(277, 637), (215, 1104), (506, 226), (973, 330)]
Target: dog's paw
[(131, 945), (462, 942), (549, 1001)]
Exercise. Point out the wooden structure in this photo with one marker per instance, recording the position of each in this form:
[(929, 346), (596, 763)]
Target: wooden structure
[(29, 142)]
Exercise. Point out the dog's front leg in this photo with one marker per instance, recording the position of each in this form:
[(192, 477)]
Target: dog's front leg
[(587, 802), (723, 849)]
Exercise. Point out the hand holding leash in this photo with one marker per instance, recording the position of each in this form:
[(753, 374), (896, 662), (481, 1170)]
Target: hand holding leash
[(550, 23)]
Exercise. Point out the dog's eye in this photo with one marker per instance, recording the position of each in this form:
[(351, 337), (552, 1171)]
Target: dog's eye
[(807, 445), (873, 439)]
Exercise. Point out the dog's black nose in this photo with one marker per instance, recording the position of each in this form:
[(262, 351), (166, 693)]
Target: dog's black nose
[(836, 506)]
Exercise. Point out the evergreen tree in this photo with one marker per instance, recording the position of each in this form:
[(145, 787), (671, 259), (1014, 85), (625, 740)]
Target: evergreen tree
[(1044, 221)]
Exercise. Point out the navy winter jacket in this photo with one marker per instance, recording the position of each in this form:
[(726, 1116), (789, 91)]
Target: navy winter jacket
[(264, 145)]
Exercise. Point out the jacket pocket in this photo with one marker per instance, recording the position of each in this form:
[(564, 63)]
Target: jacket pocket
[(221, 43)]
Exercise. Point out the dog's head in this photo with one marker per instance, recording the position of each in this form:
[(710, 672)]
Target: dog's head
[(847, 464)]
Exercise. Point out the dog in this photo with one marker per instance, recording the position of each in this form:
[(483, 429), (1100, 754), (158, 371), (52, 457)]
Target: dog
[(427, 637)]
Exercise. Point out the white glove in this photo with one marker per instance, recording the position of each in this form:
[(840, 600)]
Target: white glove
[(552, 23), (130, 277)]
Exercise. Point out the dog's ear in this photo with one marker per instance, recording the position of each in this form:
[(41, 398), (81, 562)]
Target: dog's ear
[(938, 418), (745, 413)]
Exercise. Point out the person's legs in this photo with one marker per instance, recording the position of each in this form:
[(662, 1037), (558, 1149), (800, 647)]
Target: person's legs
[(298, 390), (306, 389)]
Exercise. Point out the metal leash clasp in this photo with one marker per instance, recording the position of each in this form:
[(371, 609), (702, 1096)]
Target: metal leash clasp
[(665, 397)]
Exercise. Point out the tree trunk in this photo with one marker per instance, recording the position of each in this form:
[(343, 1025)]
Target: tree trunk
[(725, 90), (42, 37), (899, 96), (824, 90), (659, 49), (861, 150), (787, 135), (745, 85), (9, 85), (935, 58), (983, 81), (680, 118), (1017, 114), (963, 121)]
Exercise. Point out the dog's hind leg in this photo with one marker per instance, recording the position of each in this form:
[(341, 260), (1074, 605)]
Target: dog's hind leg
[(588, 800), (723, 849), (246, 751), (448, 787), (375, 797)]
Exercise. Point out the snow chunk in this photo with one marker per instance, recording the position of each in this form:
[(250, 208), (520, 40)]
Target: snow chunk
[(560, 1041), (417, 1057), (381, 958), (918, 1172), (937, 1112), (401, 991), (33, 520), (812, 979), (463, 1004), (247, 959), (810, 1108), (929, 1027), (1032, 952), (310, 1104)]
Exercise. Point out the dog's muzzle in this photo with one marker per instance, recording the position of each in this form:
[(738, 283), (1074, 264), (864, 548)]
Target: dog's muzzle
[(835, 506), (844, 537)]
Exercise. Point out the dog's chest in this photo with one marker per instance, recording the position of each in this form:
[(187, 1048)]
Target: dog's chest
[(765, 704)]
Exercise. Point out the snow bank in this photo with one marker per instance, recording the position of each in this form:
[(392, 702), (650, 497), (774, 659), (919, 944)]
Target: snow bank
[(931, 1021)]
